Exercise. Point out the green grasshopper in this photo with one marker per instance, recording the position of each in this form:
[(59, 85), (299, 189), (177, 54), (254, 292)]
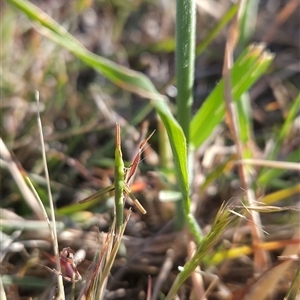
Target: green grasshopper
[(122, 178)]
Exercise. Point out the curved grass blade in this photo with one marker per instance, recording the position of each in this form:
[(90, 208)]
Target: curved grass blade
[(267, 175), (221, 222), (252, 63)]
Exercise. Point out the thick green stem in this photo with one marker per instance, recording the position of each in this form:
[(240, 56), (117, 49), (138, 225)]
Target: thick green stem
[(185, 61)]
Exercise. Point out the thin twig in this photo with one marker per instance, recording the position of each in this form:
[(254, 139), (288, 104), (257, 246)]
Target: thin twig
[(163, 273), (2, 292), (55, 241), (42, 207), (282, 17), (198, 289), (232, 39), (271, 164)]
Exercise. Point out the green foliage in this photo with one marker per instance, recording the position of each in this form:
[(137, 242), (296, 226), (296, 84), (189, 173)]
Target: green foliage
[(267, 175), (252, 63), (185, 133)]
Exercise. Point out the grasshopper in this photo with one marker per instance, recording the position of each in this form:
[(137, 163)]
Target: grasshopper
[(122, 178)]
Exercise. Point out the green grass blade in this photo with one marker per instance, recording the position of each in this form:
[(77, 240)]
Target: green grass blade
[(248, 22), (267, 175), (294, 110), (252, 63), (285, 130), (244, 113)]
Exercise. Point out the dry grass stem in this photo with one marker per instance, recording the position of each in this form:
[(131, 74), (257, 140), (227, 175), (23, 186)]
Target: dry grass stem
[(52, 209), (261, 257), (19, 179)]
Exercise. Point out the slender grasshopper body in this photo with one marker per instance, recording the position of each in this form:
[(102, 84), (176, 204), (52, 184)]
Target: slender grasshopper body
[(119, 182), (122, 178)]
